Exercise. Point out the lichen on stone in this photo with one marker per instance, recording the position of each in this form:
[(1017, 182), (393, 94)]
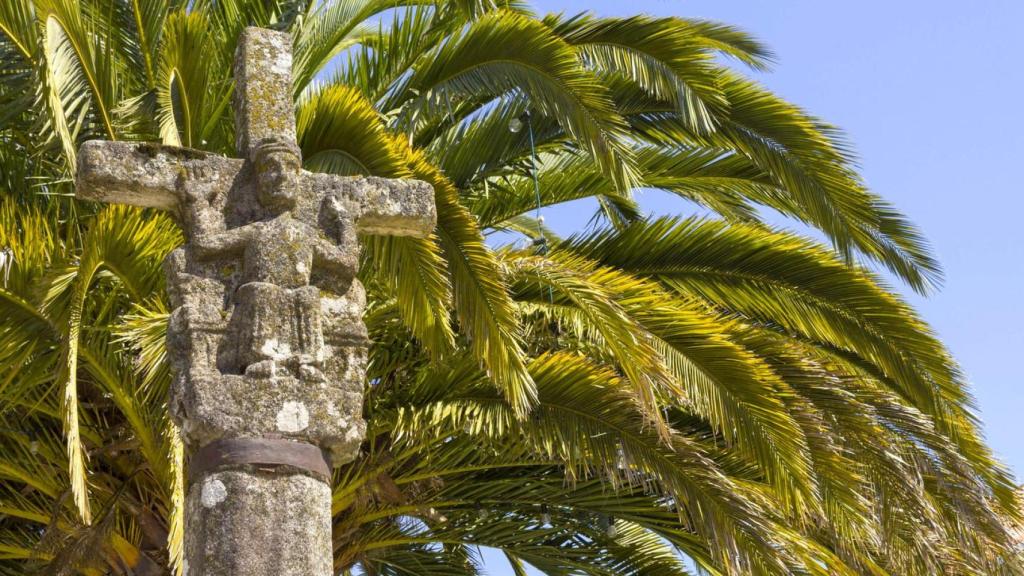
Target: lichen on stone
[(293, 417), (214, 492)]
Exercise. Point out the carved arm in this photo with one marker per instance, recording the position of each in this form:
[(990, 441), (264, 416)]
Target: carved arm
[(209, 245), (338, 260)]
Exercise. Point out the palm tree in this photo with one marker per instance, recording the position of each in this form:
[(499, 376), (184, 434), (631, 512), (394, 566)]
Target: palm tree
[(714, 386)]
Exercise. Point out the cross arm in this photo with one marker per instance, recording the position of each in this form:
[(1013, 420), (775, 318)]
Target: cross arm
[(386, 206), (137, 173)]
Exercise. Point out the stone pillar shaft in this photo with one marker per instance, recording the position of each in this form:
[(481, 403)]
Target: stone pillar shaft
[(249, 522)]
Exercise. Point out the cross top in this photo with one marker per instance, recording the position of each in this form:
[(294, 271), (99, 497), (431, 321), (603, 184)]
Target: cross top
[(263, 90), (265, 135)]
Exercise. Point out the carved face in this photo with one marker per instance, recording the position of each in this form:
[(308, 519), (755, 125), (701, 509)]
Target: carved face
[(277, 165)]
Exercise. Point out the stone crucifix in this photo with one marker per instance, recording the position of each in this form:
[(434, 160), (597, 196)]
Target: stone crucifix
[(266, 340)]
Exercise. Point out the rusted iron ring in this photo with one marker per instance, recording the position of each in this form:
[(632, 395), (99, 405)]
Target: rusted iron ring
[(259, 452)]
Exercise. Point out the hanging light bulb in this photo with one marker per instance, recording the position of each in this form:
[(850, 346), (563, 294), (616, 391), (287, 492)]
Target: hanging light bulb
[(515, 125), (436, 516), (545, 515), (33, 447)]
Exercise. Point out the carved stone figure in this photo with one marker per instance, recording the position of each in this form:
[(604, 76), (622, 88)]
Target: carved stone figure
[(266, 340)]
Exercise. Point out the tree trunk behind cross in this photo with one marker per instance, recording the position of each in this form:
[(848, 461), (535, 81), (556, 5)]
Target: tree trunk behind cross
[(266, 340)]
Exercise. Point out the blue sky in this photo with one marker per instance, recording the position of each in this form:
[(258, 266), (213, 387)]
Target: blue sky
[(929, 93)]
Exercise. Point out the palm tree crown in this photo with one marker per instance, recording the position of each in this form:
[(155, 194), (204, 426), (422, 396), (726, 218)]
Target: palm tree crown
[(761, 402)]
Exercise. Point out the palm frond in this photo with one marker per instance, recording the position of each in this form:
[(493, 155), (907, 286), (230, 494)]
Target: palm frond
[(504, 52)]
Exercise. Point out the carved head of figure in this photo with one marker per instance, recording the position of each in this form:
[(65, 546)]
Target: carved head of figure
[(277, 165)]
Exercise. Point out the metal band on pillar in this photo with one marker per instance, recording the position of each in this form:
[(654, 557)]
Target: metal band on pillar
[(259, 452)]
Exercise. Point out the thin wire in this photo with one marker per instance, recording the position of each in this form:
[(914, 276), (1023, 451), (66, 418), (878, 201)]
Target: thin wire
[(448, 103), (536, 183), (543, 241)]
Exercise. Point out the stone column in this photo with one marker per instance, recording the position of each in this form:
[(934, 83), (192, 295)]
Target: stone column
[(246, 521), (266, 342), (246, 512)]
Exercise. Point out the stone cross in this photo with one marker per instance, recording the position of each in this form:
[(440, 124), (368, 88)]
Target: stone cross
[(266, 340)]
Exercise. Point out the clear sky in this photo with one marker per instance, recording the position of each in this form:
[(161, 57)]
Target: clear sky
[(930, 94)]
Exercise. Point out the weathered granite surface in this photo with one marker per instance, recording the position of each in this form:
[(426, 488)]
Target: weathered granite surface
[(265, 523), (266, 338)]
